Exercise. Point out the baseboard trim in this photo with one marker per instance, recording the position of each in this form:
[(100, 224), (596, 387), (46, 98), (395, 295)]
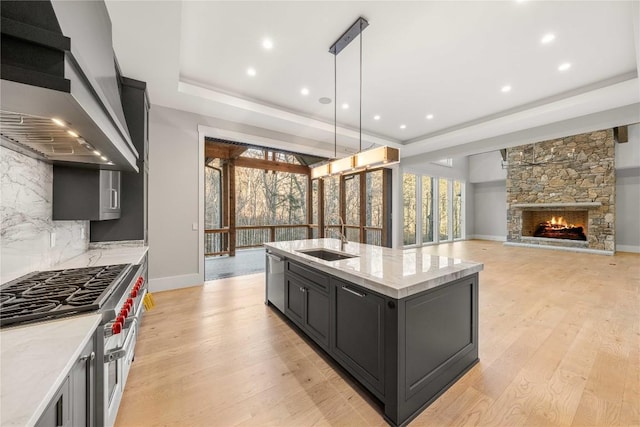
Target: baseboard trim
[(489, 237), (175, 282), (628, 248), (560, 248)]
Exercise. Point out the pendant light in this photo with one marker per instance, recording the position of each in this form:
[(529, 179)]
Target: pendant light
[(380, 156)]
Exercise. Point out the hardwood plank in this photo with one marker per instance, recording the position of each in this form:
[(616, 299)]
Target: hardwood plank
[(559, 345)]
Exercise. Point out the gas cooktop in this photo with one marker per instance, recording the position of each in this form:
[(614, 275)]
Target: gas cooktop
[(47, 295)]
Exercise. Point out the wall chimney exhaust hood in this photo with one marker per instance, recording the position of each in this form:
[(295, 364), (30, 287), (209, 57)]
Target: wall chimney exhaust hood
[(59, 84)]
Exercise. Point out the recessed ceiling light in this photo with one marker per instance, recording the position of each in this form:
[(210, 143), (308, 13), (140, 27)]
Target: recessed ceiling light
[(506, 88), (376, 117), (96, 152), (251, 71), (304, 91), (403, 126), (547, 38), (564, 67), (104, 158), (324, 100), (72, 133), (345, 106), (59, 122), (429, 116), (267, 44)]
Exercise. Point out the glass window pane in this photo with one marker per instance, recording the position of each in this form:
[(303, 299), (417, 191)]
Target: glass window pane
[(427, 209), (373, 194), (374, 199), (352, 207), (443, 208), (457, 210), (315, 192), (409, 204), (331, 200)]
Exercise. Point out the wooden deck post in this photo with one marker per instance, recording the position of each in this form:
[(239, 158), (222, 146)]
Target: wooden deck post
[(231, 198)]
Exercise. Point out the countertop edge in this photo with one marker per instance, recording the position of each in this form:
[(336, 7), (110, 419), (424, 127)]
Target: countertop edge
[(53, 388), (375, 285)]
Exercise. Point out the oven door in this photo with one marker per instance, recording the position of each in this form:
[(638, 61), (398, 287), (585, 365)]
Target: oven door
[(119, 353)]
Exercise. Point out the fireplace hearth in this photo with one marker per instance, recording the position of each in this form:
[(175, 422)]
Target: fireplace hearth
[(568, 225), (559, 229)]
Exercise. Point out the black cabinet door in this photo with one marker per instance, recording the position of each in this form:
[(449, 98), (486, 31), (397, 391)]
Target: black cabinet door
[(294, 300), (317, 315), (359, 332)]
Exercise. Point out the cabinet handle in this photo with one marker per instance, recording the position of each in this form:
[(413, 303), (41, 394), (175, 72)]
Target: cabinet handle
[(361, 295), (87, 359), (60, 412)]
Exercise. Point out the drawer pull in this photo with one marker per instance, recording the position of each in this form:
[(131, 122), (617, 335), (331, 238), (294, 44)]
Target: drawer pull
[(361, 295)]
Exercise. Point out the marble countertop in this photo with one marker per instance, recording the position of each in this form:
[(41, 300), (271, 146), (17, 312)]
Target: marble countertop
[(34, 361), (397, 273), (105, 255)]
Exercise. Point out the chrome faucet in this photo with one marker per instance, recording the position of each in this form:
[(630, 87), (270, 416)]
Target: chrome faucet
[(343, 235), (341, 232)]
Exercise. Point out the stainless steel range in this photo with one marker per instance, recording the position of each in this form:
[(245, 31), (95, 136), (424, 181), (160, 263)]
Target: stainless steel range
[(114, 291)]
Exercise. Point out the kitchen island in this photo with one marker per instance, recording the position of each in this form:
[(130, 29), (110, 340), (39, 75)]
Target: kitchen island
[(404, 323)]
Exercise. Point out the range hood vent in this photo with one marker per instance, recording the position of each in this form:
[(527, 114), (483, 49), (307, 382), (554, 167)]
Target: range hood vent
[(50, 140), (58, 63)]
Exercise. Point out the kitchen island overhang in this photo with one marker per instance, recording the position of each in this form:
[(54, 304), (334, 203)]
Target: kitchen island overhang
[(404, 323)]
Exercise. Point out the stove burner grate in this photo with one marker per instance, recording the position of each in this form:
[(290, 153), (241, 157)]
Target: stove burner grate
[(25, 307), (43, 291), (53, 294)]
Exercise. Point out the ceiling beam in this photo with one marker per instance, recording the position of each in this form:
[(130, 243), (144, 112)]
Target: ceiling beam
[(621, 134), (248, 162), (223, 151)]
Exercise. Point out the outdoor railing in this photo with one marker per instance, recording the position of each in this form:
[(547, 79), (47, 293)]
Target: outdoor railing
[(250, 236), (216, 240)]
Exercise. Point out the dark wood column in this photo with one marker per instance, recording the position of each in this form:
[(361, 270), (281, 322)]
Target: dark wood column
[(231, 198)]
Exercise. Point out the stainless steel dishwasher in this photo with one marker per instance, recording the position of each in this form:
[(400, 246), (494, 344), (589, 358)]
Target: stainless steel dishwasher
[(275, 281)]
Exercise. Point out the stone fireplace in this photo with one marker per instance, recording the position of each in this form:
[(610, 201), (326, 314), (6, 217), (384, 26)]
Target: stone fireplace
[(561, 193)]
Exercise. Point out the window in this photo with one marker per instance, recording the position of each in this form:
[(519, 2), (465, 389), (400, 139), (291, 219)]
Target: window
[(427, 209), (409, 198), (443, 209), (361, 199), (457, 209), (432, 204)]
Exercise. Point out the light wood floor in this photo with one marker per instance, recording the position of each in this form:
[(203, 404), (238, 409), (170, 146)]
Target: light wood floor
[(559, 345)]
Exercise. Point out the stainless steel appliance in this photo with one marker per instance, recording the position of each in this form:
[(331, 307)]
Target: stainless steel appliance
[(275, 281), (115, 291)]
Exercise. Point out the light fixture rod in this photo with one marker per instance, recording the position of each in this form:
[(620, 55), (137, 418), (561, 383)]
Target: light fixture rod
[(335, 106), (360, 93), (349, 35)]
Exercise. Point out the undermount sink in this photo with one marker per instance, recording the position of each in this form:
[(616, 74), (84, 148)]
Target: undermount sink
[(326, 255)]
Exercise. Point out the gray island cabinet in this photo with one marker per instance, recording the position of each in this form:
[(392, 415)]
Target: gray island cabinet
[(404, 323)]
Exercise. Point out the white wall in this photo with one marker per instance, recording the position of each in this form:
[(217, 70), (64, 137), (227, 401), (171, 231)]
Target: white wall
[(26, 195), (486, 167), (490, 210), (628, 210), (628, 192)]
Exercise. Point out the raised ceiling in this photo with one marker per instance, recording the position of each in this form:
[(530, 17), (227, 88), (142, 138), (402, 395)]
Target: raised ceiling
[(446, 59)]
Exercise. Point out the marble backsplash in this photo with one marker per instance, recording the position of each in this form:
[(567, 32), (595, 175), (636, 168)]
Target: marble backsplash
[(26, 194)]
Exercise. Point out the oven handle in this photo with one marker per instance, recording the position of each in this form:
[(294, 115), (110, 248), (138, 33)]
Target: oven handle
[(120, 352)]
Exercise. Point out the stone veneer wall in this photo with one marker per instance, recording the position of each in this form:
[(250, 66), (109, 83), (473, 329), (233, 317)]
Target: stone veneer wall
[(587, 174)]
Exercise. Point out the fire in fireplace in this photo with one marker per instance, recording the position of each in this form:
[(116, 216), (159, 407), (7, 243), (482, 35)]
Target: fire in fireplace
[(555, 224), (559, 229)]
